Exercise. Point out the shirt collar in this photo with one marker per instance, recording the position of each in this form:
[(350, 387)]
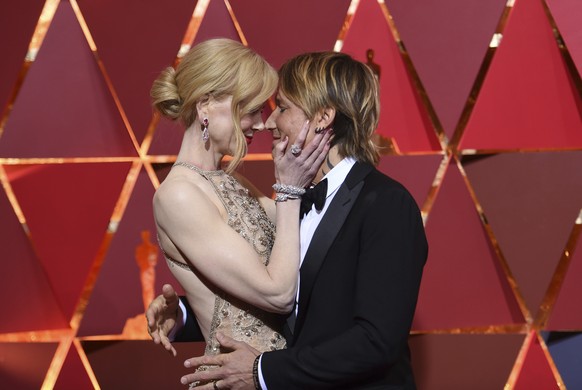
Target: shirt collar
[(338, 174)]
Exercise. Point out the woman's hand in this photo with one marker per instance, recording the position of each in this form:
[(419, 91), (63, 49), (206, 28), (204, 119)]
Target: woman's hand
[(297, 165)]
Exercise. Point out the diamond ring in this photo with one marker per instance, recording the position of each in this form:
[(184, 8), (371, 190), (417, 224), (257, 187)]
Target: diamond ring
[(295, 150)]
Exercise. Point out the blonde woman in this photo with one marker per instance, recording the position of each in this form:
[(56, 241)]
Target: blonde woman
[(216, 230)]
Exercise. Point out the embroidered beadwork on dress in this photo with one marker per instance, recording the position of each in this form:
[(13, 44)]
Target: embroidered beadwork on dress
[(245, 214), (232, 316)]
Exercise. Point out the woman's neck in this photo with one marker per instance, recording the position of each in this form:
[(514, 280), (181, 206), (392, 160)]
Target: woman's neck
[(197, 152)]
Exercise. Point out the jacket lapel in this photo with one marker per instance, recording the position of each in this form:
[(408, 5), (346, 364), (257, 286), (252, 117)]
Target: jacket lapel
[(326, 232)]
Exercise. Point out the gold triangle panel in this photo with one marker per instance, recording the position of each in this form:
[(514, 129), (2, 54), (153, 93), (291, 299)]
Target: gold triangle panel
[(536, 370), (566, 15), (20, 267), (566, 313), (531, 201), (403, 117), (74, 112), (17, 22), (73, 374), (447, 41), (528, 99), (463, 285), (68, 208), (136, 40), (134, 268)]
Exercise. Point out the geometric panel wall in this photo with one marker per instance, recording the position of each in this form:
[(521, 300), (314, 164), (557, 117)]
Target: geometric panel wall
[(481, 120), (548, 114)]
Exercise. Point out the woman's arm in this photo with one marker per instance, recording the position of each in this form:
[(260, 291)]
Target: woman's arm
[(187, 217), (195, 227), (265, 201)]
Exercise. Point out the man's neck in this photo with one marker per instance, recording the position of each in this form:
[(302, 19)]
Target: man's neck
[(331, 160)]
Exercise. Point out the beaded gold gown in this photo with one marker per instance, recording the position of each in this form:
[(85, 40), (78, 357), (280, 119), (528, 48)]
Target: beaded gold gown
[(233, 317)]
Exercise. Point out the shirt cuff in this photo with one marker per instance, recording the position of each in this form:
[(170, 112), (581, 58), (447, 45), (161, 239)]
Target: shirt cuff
[(261, 379), (181, 317)]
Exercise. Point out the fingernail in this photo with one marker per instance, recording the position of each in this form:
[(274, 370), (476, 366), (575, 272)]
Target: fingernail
[(184, 381), (187, 363)]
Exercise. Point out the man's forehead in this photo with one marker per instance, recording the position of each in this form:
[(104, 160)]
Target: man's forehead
[(281, 96)]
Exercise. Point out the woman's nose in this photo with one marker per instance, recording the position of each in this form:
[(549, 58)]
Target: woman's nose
[(258, 122), (259, 127)]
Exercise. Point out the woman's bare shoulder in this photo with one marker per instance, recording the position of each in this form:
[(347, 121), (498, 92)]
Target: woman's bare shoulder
[(181, 198)]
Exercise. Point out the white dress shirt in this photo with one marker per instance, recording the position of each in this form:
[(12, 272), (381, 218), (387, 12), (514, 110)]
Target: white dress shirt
[(311, 221)]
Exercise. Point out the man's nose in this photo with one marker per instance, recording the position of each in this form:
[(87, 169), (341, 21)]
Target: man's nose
[(270, 122)]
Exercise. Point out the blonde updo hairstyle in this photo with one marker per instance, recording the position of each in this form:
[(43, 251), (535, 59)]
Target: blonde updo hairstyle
[(315, 81), (216, 68)]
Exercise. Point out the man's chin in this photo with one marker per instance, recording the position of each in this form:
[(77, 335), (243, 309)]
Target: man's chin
[(275, 142)]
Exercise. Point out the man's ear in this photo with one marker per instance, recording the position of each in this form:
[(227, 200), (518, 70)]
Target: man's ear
[(325, 118), (202, 107)]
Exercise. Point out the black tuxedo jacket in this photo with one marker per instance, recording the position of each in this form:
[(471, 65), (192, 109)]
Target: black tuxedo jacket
[(358, 290), (191, 330)]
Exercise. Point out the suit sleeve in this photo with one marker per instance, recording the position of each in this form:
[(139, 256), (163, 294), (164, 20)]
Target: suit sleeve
[(393, 250), (191, 331)]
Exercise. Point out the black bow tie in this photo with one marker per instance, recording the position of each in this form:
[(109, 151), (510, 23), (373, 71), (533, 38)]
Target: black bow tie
[(314, 195)]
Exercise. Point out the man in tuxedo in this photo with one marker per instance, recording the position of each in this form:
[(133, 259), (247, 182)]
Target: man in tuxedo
[(363, 249)]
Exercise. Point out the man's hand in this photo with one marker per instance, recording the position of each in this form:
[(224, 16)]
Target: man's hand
[(234, 369), (161, 315)]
